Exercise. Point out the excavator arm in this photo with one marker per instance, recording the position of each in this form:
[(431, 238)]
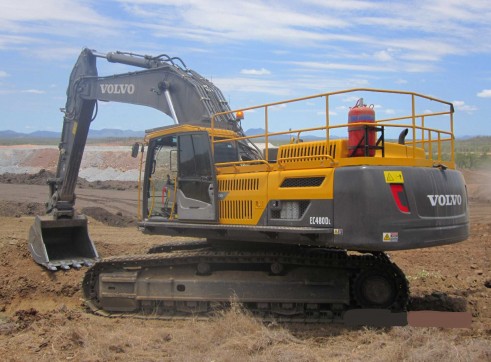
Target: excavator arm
[(60, 239)]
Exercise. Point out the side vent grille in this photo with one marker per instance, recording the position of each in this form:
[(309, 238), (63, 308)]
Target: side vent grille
[(332, 150), (244, 184), (236, 209), (302, 182), (308, 151)]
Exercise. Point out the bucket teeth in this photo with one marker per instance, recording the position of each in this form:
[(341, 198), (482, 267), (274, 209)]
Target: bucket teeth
[(51, 267), (88, 263), (61, 243)]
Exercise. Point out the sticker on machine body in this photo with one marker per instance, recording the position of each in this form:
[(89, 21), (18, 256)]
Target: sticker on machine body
[(390, 237), (393, 177)]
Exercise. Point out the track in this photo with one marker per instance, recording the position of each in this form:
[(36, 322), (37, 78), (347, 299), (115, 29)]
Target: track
[(292, 284)]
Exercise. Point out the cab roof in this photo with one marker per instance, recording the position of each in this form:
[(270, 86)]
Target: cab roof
[(183, 128)]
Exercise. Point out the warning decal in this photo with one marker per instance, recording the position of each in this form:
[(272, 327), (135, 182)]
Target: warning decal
[(338, 231), (393, 177), (390, 237)]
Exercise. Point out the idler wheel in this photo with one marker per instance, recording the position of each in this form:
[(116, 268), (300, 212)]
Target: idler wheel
[(375, 289), (277, 268), (203, 269)]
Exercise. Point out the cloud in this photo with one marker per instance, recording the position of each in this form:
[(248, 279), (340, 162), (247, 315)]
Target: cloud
[(461, 106), (416, 31), (239, 21), (68, 11), (261, 71), (323, 113), (241, 84), (485, 93), (8, 41), (340, 66), (384, 55), (278, 107), (344, 5), (56, 53), (33, 20), (3, 74), (351, 99), (407, 37), (33, 91)]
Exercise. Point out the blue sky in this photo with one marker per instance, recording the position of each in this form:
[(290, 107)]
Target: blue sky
[(255, 51)]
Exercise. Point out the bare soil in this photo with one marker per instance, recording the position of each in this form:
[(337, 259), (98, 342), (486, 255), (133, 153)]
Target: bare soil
[(42, 316), (41, 178)]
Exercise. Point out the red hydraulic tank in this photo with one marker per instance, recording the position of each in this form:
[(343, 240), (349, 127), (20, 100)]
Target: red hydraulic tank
[(362, 138)]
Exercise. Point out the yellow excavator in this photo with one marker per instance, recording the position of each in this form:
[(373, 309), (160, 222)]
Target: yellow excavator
[(294, 223)]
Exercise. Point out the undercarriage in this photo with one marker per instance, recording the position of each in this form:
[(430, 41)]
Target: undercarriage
[(287, 283)]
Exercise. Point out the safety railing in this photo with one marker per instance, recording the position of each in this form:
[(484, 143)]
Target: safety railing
[(437, 142)]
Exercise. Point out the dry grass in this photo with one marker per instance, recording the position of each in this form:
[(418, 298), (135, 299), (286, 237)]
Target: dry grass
[(232, 336)]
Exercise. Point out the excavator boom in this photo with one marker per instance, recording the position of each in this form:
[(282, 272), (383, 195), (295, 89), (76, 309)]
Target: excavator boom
[(60, 239)]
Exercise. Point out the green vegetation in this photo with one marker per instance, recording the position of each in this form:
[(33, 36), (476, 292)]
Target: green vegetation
[(473, 153), (29, 141), (423, 275)]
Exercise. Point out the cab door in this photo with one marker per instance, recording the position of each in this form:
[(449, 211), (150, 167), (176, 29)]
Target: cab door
[(196, 194)]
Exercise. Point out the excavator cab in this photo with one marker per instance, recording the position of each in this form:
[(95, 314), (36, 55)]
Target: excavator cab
[(61, 243), (179, 177)]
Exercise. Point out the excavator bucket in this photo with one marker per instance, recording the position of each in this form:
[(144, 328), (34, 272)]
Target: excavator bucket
[(61, 243)]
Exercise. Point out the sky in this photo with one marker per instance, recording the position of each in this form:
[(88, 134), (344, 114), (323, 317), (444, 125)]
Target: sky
[(255, 51)]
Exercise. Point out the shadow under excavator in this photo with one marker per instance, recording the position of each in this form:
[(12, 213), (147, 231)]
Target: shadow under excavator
[(438, 301)]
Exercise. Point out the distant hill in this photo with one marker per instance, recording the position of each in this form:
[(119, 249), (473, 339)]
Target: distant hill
[(254, 131), (260, 131), (101, 133), (118, 133)]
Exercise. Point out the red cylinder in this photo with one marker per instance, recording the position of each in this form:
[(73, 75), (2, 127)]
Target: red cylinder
[(362, 138)]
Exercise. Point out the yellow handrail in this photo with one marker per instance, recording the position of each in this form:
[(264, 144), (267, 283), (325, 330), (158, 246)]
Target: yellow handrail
[(416, 125)]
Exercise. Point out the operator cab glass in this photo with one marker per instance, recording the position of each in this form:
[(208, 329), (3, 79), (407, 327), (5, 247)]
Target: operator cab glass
[(180, 180), (161, 169)]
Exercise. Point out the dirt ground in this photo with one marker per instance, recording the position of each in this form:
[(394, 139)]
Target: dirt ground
[(42, 316)]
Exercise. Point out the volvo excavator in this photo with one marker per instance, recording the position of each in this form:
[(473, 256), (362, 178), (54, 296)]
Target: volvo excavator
[(299, 230)]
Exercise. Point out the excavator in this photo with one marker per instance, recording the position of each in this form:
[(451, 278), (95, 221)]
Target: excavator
[(297, 230)]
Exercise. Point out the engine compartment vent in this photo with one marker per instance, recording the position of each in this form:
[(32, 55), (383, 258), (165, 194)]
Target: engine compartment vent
[(302, 181), (236, 210), (241, 184), (306, 152)]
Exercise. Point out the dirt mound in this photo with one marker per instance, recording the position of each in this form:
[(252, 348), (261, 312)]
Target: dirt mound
[(18, 209), (108, 218), (107, 185), (41, 178)]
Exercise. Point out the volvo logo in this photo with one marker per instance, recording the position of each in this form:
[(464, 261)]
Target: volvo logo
[(118, 88), (445, 200)]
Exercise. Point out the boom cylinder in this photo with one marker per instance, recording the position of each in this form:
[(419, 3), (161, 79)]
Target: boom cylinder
[(137, 61)]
